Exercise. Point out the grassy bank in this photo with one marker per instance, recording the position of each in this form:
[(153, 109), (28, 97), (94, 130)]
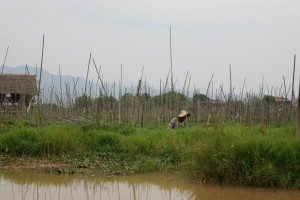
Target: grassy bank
[(257, 155)]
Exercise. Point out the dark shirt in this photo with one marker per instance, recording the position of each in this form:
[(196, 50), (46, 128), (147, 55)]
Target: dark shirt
[(176, 124)]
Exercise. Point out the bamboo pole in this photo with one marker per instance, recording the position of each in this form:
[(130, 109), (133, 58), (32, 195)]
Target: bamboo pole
[(183, 88), (60, 86), (172, 83), (120, 93), (293, 92), (40, 80), (298, 117), (86, 82), (87, 74), (230, 93), (4, 60), (99, 77), (209, 84)]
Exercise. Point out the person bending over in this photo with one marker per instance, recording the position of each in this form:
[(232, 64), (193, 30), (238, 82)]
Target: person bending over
[(180, 120)]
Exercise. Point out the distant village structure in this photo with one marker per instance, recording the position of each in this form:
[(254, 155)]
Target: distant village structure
[(16, 93)]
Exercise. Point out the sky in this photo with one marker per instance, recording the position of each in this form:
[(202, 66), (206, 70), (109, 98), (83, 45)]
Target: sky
[(258, 39)]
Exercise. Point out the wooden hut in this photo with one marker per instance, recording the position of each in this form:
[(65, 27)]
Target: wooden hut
[(16, 92)]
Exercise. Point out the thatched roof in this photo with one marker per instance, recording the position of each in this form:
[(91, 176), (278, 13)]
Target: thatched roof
[(18, 84)]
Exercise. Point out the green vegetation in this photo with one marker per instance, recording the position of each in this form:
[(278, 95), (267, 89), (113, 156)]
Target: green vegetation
[(256, 155)]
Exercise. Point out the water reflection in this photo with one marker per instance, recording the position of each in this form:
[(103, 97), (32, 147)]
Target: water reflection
[(30, 185), (17, 185)]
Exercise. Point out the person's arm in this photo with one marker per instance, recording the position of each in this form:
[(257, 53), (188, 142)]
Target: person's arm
[(173, 123)]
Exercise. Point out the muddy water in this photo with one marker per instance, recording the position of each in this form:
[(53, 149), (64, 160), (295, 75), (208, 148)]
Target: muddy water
[(15, 185)]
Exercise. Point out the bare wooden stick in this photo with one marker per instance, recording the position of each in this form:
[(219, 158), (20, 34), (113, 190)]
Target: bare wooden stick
[(120, 93), (165, 88), (222, 92), (183, 88), (188, 87), (172, 83), (285, 93), (209, 84), (87, 74), (74, 87), (100, 78), (230, 93), (242, 93), (61, 94), (40, 80), (298, 117), (293, 92), (4, 60)]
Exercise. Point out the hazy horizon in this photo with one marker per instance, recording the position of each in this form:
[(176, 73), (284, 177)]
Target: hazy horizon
[(257, 38)]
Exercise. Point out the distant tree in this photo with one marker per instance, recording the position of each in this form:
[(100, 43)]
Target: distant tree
[(128, 99), (145, 97), (268, 99), (200, 97), (104, 101), (82, 101), (170, 97)]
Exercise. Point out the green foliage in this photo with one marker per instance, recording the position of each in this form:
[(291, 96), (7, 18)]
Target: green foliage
[(43, 142), (103, 101), (255, 156), (122, 128), (170, 97), (268, 99), (200, 97), (128, 99), (102, 142), (144, 97), (82, 101)]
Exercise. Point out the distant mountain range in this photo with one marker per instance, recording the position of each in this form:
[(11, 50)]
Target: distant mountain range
[(48, 80), (51, 81)]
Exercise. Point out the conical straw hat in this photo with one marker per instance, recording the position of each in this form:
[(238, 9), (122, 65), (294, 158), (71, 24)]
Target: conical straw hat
[(183, 113)]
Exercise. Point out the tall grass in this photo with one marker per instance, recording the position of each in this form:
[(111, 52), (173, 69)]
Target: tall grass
[(257, 155)]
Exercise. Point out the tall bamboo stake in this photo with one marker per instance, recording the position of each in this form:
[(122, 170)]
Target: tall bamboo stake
[(209, 84), (293, 92), (172, 83), (183, 88), (86, 82), (188, 87), (298, 117), (87, 74), (120, 93), (40, 80), (230, 93), (60, 85), (4, 60), (99, 77)]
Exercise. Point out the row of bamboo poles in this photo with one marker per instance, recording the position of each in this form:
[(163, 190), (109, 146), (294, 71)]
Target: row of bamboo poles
[(145, 105)]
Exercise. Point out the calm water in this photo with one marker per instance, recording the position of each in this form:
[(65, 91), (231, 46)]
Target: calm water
[(15, 185)]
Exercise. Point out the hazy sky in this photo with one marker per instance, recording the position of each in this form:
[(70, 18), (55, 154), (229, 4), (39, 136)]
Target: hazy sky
[(258, 38)]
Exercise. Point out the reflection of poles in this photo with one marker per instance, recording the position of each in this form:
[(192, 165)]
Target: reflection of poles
[(71, 192), (37, 191), (26, 190), (119, 191), (59, 192), (12, 190), (134, 192)]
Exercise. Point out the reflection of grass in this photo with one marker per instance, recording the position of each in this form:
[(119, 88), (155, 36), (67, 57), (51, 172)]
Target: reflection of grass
[(230, 154)]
